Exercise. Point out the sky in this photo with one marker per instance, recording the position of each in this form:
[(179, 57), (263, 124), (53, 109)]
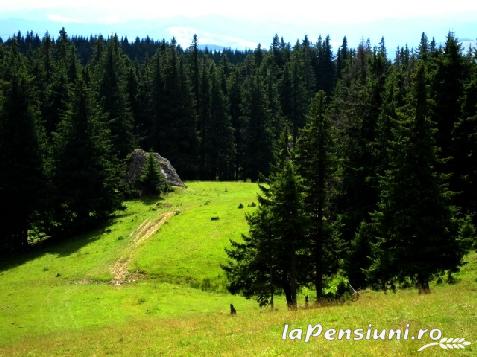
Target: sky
[(245, 23)]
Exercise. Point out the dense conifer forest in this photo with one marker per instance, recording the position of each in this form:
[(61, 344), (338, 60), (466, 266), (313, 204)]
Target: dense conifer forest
[(367, 163)]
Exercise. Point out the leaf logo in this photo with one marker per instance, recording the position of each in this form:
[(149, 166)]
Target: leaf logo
[(448, 344)]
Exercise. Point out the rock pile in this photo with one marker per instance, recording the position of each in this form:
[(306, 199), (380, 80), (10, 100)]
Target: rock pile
[(138, 159)]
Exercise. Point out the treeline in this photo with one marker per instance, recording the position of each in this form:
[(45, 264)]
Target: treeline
[(72, 109), (378, 189)]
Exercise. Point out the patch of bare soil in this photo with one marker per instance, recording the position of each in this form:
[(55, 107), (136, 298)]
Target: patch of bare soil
[(146, 230)]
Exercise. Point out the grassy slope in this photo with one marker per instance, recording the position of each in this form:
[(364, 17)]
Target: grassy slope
[(79, 313), (190, 247)]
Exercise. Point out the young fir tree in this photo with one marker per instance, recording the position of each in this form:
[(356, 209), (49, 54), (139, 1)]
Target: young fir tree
[(269, 258), (152, 181), (315, 152), (412, 226), (85, 170), (253, 269)]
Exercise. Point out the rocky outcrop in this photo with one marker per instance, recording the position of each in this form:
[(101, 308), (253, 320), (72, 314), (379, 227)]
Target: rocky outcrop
[(138, 158)]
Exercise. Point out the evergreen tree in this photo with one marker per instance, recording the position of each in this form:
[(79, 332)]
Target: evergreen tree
[(315, 152), (464, 147), (342, 58), (257, 136), (413, 227), (238, 125), (355, 112), (85, 175), (143, 108), (152, 181), (204, 122), (293, 98), (174, 127), (447, 87), (221, 142), (21, 175), (269, 258), (325, 68), (114, 100)]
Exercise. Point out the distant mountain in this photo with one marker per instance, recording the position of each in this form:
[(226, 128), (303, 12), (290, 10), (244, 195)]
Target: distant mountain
[(211, 47)]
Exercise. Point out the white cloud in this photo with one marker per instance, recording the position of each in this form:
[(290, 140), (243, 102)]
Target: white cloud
[(284, 12), (63, 19)]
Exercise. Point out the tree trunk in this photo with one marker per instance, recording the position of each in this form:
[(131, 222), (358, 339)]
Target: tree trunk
[(318, 261), (423, 285), (319, 286), (290, 295)]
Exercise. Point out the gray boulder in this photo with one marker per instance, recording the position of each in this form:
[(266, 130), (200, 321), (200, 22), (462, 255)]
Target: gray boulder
[(138, 159)]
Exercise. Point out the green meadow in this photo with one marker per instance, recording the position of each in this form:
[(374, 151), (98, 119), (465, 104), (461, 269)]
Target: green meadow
[(59, 299)]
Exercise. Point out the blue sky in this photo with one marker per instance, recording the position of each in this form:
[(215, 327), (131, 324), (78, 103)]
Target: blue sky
[(243, 24)]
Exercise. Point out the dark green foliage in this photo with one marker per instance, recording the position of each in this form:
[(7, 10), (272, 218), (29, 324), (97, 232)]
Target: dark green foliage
[(114, 100), (447, 87), (85, 171), (21, 174), (174, 127), (152, 181), (315, 158), (293, 97), (220, 148), (464, 149), (414, 234), (325, 67), (238, 123), (371, 180), (258, 143), (268, 259)]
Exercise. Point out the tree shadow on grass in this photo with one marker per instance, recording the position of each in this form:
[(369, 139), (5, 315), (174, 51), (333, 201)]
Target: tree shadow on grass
[(60, 247)]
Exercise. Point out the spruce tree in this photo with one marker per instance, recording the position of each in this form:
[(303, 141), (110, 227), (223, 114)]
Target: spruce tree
[(258, 152), (152, 181), (174, 127), (463, 149), (315, 160), (238, 125), (114, 100), (325, 67), (85, 175), (221, 143), (269, 257), (342, 58), (21, 174), (293, 97), (355, 111), (414, 233)]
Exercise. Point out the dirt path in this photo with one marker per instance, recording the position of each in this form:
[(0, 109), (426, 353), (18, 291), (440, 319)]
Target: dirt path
[(147, 228)]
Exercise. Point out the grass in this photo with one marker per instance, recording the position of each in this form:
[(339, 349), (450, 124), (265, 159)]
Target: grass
[(190, 248), (57, 300)]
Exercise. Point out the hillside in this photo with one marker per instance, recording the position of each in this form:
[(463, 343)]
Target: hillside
[(150, 283)]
